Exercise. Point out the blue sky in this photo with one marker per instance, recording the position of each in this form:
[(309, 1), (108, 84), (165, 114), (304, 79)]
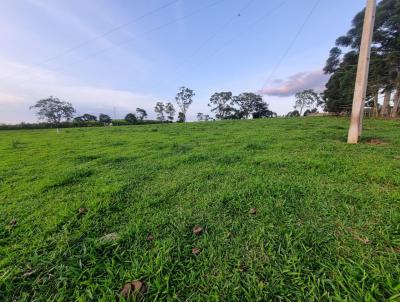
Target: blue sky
[(207, 45)]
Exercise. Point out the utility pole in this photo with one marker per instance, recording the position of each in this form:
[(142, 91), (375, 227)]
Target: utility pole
[(360, 90)]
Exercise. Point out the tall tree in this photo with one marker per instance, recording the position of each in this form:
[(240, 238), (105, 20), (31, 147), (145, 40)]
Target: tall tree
[(141, 113), (184, 98), (220, 104), (53, 110), (159, 109), (384, 66), (170, 111), (307, 99), (251, 105)]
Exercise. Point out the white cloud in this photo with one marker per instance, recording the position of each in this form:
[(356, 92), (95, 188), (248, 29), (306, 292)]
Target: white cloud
[(298, 82), (29, 84)]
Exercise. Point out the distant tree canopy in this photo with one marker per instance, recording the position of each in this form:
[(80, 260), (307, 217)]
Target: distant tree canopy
[(220, 104), (86, 118), (384, 73), (141, 113), (307, 99), (159, 109), (201, 117), (53, 110), (104, 118), (294, 113), (181, 117), (131, 118), (245, 105), (184, 98), (308, 111), (170, 111)]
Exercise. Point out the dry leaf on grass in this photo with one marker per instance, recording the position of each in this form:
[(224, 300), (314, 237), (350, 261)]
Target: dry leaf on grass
[(197, 230), (82, 211), (110, 237), (362, 240), (253, 211), (196, 251), (132, 289), (28, 273)]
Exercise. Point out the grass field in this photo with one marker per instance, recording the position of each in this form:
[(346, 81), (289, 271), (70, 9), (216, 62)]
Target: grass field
[(326, 227)]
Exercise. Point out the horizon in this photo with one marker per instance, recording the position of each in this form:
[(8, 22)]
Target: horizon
[(101, 55)]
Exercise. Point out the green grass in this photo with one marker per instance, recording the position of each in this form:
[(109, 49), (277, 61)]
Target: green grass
[(327, 226)]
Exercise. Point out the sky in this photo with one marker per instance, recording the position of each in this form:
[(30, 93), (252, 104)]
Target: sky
[(112, 56)]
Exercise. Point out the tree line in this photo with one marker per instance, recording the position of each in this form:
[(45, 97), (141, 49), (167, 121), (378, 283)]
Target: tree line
[(223, 104), (384, 74)]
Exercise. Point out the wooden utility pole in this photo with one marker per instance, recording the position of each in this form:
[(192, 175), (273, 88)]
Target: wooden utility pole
[(360, 90)]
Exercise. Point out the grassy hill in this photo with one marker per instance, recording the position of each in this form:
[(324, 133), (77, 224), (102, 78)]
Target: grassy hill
[(325, 224)]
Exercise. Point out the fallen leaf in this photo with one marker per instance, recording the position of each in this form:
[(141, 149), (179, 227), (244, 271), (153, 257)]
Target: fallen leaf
[(150, 237), (196, 251), (82, 211), (28, 273), (253, 211), (132, 289), (362, 240), (110, 237), (197, 230), (242, 268)]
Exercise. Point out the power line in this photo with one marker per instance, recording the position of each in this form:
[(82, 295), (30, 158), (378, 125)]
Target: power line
[(280, 61), (102, 35), (221, 28), (268, 13), (94, 54)]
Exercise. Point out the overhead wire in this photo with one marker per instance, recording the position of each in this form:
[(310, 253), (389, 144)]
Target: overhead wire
[(227, 42), (102, 35), (293, 41), (123, 42)]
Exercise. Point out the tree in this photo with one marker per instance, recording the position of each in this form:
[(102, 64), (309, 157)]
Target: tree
[(294, 113), (308, 99), (200, 116), (333, 62), (88, 117), (262, 111), (384, 75), (184, 98), (219, 103), (308, 111), (131, 118), (141, 113), (251, 105), (170, 111), (104, 118), (181, 117), (160, 110), (53, 110)]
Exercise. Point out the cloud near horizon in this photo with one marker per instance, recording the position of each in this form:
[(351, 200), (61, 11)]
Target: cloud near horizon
[(298, 82), (29, 84)]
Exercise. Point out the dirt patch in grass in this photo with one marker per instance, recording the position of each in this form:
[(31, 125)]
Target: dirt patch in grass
[(375, 141)]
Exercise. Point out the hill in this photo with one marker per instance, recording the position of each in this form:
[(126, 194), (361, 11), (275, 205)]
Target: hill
[(288, 212)]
